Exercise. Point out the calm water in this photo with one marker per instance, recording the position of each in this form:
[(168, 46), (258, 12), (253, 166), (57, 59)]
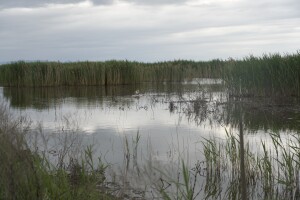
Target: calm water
[(147, 123)]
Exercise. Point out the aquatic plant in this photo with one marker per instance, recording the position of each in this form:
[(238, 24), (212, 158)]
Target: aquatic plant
[(36, 74), (26, 174), (271, 74), (271, 174)]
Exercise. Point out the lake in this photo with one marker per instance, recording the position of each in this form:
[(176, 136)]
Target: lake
[(132, 127)]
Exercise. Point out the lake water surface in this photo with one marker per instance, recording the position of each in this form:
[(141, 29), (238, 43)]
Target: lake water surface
[(130, 126)]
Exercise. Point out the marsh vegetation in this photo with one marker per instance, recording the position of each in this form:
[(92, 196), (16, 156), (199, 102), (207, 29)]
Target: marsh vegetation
[(27, 173), (272, 74), (194, 130)]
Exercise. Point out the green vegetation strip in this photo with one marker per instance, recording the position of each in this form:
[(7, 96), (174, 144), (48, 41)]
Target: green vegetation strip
[(37, 74), (272, 74)]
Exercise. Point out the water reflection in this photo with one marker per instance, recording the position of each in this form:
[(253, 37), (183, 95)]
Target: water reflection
[(169, 116), (131, 125), (264, 114), (205, 103)]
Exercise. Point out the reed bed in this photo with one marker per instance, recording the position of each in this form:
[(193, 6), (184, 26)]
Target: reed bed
[(36, 74), (271, 74)]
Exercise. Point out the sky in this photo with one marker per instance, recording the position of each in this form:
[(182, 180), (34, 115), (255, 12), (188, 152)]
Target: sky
[(146, 30)]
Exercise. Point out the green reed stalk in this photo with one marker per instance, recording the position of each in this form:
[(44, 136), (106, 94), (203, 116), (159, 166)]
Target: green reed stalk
[(35, 74), (263, 76)]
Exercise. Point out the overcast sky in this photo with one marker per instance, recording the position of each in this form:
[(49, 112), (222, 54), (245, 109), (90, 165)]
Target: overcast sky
[(146, 30)]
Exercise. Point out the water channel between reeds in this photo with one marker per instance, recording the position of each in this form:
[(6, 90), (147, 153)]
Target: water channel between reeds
[(146, 130)]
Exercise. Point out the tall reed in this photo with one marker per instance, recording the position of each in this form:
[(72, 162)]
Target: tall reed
[(271, 74), (112, 72), (270, 174)]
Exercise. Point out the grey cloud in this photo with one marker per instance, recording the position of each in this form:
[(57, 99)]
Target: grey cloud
[(157, 2), (32, 3), (149, 34), (38, 3), (102, 2)]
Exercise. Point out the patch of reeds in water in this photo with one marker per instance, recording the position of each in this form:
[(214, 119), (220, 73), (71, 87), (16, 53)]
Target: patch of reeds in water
[(37, 74), (270, 174), (272, 74)]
